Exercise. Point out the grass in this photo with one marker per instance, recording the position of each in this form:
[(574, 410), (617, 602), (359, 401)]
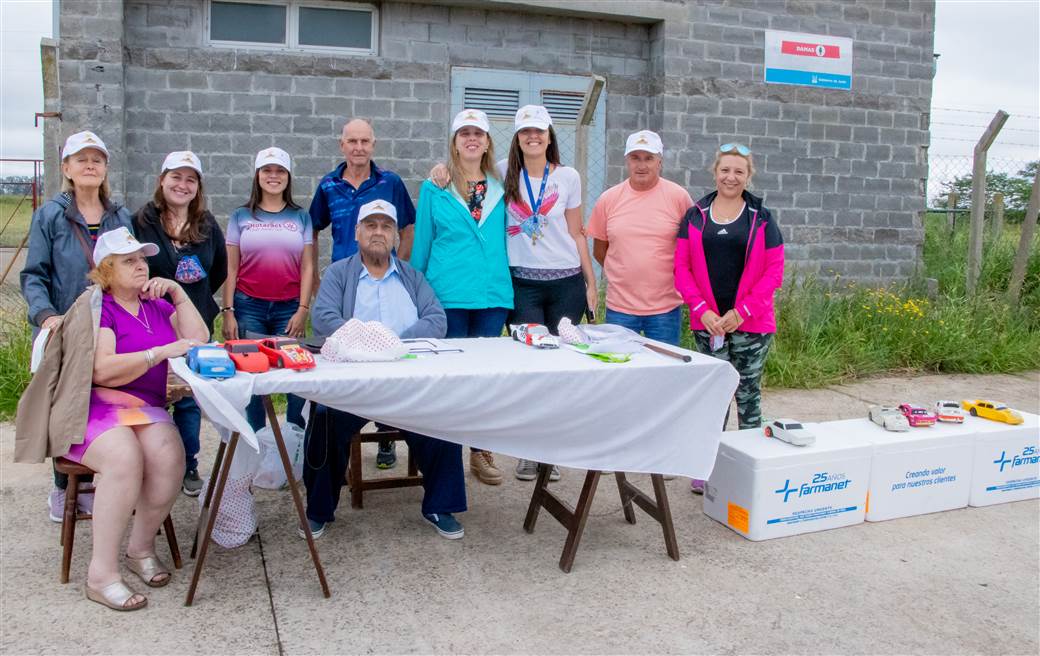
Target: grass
[(14, 219), (828, 331), (15, 350), (831, 332)]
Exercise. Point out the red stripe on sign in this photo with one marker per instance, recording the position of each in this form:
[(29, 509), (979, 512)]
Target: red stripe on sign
[(810, 49)]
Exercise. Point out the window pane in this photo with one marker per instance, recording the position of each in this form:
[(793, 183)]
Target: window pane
[(234, 21), (336, 28)]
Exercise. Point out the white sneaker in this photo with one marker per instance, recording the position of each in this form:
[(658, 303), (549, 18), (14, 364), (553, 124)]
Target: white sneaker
[(527, 470), (56, 505)]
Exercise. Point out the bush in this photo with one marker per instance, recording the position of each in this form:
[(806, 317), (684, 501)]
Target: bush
[(15, 352)]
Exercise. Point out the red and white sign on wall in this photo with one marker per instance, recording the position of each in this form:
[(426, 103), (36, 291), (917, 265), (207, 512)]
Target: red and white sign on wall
[(808, 59)]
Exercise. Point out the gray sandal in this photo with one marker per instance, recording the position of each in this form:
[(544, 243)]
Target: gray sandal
[(148, 568), (116, 596)]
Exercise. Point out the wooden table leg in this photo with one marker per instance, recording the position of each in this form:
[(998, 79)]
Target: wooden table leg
[(658, 509), (204, 512), (665, 516), (626, 497), (573, 519), (272, 418), (577, 526), (541, 488), (211, 517)]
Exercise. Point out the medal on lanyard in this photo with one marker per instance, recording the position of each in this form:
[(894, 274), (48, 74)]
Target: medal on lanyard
[(533, 225)]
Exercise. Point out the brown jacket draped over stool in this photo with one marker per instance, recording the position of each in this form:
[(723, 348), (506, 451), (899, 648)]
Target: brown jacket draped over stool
[(53, 410)]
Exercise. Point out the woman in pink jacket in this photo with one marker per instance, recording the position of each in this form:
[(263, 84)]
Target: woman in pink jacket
[(729, 260)]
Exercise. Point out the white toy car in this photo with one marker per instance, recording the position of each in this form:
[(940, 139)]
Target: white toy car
[(790, 431), (534, 334), (949, 411), (889, 418)]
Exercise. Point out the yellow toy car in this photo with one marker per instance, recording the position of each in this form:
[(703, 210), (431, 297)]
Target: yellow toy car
[(992, 410)]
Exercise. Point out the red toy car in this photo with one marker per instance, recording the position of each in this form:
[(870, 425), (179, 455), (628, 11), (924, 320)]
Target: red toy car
[(916, 415), (246, 355), (287, 353)]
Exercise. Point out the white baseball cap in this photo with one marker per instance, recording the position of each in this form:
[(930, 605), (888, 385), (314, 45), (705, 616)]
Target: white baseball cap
[(377, 208), (532, 116), (273, 155), (120, 242), (646, 141), (181, 159), (81, 140), (474, 117)]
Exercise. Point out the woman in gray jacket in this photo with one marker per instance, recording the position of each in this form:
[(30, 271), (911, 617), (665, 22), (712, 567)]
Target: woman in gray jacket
[(61, 244)]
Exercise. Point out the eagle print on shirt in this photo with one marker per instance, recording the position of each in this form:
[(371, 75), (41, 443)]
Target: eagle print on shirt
[(523, 221)]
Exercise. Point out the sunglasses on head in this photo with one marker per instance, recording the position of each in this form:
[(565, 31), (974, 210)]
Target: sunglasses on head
[(730, 147)]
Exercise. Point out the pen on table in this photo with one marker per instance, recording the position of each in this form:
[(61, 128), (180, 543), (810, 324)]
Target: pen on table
[(664, 351)]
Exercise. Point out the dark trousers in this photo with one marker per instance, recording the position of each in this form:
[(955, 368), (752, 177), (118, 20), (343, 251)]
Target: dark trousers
[(328, 452), (548, 301)]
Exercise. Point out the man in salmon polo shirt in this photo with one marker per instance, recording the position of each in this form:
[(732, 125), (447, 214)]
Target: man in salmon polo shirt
[(633, 226)]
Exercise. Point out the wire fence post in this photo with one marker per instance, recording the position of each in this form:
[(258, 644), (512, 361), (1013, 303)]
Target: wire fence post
[(998, 215), (978, 198), (1018, 270), (951, 211), (581, 128)]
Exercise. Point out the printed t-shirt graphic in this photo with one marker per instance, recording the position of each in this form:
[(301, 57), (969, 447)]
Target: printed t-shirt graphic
[(271, 247)]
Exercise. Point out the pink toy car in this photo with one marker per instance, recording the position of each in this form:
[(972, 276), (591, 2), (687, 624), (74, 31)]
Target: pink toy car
[(916, 415)]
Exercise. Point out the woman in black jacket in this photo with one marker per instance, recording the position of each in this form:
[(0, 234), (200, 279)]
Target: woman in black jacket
[(192, 252)]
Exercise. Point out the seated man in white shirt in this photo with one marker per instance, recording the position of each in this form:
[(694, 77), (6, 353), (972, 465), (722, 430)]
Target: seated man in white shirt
[(373, 285)]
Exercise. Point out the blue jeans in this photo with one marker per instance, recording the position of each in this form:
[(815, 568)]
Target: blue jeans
[(664, 327), (187, 416), (267, 318), (485, 322)]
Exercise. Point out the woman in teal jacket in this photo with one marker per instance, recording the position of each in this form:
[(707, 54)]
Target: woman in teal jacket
[(460, 245)]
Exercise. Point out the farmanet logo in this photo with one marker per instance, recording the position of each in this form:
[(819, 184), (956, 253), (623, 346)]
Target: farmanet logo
[(1030, 456), (821, 482)]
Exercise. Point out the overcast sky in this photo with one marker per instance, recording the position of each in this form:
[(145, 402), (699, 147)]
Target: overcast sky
[(990, 59)]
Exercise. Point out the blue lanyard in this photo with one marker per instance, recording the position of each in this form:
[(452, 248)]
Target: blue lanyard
[(541, 193)]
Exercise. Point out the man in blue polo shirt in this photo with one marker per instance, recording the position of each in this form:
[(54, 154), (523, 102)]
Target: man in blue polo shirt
[(356, 181), (339, 196)]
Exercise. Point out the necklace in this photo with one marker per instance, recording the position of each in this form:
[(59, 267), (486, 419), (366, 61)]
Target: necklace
[(174, 233), (140, 308)]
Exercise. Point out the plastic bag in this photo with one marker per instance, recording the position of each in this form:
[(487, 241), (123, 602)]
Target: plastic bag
[(236, 517), (270, 474)]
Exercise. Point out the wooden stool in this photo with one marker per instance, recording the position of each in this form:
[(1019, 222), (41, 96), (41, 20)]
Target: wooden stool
[(357, 482), (70, 516)]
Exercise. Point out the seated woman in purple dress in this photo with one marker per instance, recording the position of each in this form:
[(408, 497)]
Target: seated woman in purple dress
[(130, 439)]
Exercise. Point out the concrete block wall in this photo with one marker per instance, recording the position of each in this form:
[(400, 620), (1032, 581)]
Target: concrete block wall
[(226, 104), (843, 170)]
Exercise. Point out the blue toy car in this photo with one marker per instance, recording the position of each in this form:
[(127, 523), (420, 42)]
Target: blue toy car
[(210, 361)]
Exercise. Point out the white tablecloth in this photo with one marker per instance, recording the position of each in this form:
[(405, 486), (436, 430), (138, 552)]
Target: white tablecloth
[(652, 414)]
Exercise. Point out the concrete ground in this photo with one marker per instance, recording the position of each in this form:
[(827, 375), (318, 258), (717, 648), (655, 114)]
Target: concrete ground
[(964, 581)]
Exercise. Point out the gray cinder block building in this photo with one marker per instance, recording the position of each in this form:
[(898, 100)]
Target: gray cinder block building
[(844, 169)]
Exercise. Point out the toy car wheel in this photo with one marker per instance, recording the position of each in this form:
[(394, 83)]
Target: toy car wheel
[(973, 413), (769, 431)]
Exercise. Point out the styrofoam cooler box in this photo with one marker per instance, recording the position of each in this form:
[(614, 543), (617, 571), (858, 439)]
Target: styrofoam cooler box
[(763, 488), (923, 470), (1007, 461)]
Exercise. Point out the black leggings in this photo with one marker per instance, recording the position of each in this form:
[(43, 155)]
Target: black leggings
[(548, 301)]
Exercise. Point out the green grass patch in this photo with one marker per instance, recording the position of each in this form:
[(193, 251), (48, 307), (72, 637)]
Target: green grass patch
[(830, 332), (14, 219), (15, 351)]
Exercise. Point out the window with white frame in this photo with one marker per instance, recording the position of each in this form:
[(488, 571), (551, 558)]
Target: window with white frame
[(323, 25)]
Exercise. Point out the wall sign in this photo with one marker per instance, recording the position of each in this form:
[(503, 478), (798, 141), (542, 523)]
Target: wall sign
[(810, 60)]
